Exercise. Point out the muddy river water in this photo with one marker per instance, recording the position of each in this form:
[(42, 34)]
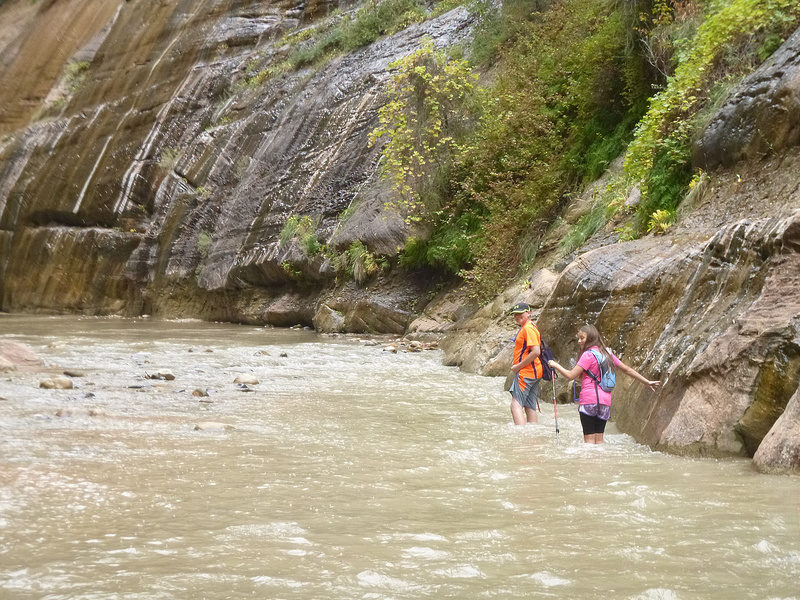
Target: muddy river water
[(347, 472)]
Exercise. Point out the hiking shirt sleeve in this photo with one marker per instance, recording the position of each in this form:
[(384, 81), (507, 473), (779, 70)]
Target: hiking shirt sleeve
[(527, 338), (588, 362)]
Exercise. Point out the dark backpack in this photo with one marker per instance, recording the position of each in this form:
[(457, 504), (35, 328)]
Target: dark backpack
[(545, 354)]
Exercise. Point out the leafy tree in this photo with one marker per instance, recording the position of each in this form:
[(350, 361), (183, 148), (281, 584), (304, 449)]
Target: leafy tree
[(429, 108)]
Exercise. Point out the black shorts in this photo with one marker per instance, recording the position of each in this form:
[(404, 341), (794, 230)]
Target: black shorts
[(592, 424)]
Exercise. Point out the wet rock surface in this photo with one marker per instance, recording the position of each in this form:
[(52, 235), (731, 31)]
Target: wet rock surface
[(779, 452), (761, 118), (16, 355)]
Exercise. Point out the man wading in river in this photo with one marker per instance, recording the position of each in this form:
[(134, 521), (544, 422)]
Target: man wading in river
[(526, 366)]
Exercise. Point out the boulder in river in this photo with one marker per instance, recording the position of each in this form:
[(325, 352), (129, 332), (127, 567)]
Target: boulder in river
[(212, 425), (56, 382), (19, 355), (327, 320), (161, 374), (246, 379), (779, 452)]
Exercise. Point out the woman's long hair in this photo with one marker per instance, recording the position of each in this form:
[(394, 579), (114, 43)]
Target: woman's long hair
[(593, 339)]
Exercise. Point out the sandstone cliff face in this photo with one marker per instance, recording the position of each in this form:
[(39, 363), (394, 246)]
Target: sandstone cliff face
[(161, 167)]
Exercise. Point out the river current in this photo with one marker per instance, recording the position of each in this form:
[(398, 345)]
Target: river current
[(347, 472)]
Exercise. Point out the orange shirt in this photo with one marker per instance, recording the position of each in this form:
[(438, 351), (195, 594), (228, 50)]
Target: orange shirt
[(527, 337)]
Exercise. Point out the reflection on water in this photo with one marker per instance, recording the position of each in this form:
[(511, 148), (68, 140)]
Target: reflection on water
[(349, 473)]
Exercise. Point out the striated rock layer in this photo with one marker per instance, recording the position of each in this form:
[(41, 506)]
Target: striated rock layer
[(167, 148)]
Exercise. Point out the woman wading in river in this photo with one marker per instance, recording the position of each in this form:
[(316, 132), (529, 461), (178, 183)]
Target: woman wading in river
[(595, 363)]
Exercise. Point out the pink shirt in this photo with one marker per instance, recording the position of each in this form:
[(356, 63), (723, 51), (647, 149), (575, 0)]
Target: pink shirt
[(589, 363)]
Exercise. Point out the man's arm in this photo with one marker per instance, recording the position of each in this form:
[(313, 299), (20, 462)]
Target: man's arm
[(532, 355)]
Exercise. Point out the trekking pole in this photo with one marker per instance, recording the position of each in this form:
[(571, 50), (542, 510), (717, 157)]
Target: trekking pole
[(555, 406)]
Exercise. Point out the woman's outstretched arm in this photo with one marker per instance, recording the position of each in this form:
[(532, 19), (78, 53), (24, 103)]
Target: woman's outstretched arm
[(631, 372), (573, 373)]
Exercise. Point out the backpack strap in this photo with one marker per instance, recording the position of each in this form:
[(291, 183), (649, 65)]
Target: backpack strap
[(596, 379), (533, 362)]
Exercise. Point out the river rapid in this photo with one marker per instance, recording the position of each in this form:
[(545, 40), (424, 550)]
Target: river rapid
[(349, 472)]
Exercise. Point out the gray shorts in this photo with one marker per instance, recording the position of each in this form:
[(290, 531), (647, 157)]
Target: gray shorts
[(527, 397)]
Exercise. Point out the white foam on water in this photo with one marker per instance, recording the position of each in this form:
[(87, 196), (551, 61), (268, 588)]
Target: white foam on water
[(460, 572), (428, 537), (425, 553), (276, 581), (124, 551), (549, 580), (299, 540), (284, 531), (765, 547), (379, 580), (485, 534), (657, 594)]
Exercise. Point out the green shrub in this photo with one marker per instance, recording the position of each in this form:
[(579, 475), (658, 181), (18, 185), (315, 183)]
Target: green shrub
[(366, 25), (567, 93), (428, 111), (722, 45), (626, 233), (586, 226), (666, 183), (360, 262), (203, 243), (75, 75), (304, 230), (449, 249), (169, 156), (660, 221), (289, 231)]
